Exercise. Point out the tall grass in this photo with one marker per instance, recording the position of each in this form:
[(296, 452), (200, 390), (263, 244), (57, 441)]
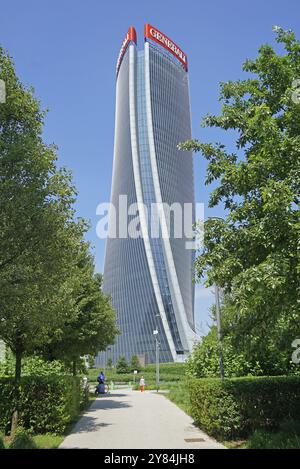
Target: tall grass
[(179, 394)]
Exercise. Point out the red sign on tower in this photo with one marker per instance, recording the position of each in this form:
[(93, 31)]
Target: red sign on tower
[(130, 36), (163, 40)]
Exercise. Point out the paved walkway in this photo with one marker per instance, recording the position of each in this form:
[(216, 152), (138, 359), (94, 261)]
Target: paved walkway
[(128, 419)]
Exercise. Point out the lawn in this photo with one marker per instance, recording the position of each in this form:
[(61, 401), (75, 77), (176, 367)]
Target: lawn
[(47, 441)]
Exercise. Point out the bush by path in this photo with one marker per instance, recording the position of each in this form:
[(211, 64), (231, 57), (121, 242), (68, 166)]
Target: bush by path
[(47, 403), (237, 407)]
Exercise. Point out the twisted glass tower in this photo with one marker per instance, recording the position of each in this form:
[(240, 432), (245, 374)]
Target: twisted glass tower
[(149, 277)]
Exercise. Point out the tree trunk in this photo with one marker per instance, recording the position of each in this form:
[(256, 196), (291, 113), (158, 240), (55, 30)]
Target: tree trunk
[(74, 368), (15, 415), (18, 365)]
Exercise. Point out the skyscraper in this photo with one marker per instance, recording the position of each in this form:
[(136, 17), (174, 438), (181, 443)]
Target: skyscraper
[(150, 277)]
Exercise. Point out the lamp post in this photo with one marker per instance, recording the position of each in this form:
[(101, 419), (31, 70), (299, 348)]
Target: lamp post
[(218, 317), (109, 354), (155, 333), (106, 355)]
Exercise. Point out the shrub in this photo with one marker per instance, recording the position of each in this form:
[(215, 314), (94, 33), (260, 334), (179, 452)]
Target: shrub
[(169, 372), (135, 363), (238, 406), (84, 395), (47, 403), (239, 361), (122, 365), (204, 361), (175, 369), (22, 440), (33, 365)]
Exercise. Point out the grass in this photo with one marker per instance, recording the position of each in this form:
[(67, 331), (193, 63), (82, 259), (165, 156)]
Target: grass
[(287, 437), (235, 444), (47, 441), (180, 396)]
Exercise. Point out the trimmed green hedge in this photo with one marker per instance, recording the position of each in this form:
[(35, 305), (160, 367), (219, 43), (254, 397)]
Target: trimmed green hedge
[(238, 406), (47, 403), (178, 369), (168, 372)]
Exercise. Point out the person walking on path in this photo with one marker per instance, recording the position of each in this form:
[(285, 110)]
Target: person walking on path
[(101, 378), (142, 384)]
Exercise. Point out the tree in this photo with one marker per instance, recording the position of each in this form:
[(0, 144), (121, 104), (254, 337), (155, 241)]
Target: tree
[(109, 363), (91, 324), (39, 238), (122, 365), (204, 360), (254, 253), (135, 363)]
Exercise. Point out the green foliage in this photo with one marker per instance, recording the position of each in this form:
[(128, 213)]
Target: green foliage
[(122, 365), (22, 440), (84, 396), (179, 394), (135, 364), (253, 254), (204, 361), (169, 373), (237, 407), (91, 326), (40, 239), (7, 367), (288, 437), (47, 403), (109, 363), (33, 365), (172, 369), (51, 301), (48, 441)]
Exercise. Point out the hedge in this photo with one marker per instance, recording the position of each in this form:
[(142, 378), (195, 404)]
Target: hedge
[(238, 406), (168, 372), (47, 403)]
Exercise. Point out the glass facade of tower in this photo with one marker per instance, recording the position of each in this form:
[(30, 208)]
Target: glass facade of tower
[(150, 278)]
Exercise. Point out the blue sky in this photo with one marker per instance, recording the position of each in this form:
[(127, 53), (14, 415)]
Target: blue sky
[(67, 49)]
